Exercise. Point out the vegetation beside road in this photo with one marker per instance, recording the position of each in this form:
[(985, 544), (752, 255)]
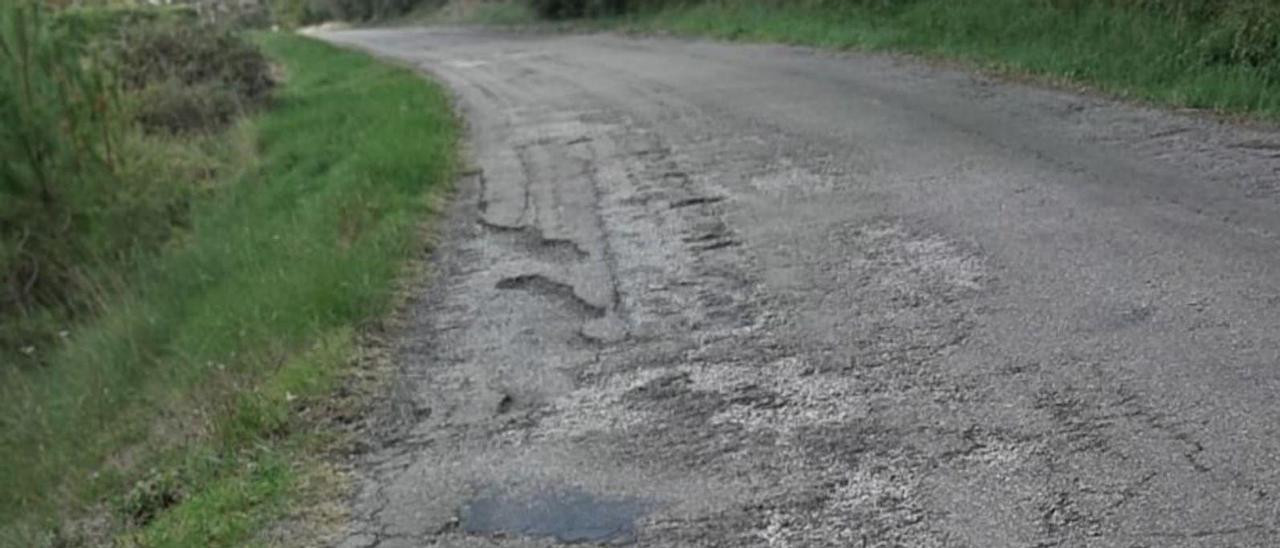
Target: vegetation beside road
[(185, 402), (189, 252), (1205, 54)]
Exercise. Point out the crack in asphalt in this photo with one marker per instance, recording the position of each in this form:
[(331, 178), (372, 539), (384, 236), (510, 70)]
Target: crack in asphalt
[(786, 299), (538, 284), (534, 242)]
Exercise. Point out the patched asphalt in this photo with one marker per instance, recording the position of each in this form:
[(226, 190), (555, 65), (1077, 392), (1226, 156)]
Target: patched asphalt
[(699, 294)]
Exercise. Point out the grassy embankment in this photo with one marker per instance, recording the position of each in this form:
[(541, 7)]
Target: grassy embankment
[(189, 410), (1206, 54)]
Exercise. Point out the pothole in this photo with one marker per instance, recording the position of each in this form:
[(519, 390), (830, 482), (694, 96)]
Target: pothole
[(537, 284), (567, 515)]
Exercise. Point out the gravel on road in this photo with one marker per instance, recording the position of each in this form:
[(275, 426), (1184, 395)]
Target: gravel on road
[(700, 294)]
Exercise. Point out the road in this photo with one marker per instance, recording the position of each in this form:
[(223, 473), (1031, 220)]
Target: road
[(698, 294)]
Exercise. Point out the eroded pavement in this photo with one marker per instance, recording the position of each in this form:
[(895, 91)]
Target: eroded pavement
[(711, 295)]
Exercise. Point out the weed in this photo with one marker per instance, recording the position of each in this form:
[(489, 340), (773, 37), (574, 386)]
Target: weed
[(151, 496), (200, 363)]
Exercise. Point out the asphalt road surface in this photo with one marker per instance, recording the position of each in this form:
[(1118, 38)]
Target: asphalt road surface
[(699, 294)]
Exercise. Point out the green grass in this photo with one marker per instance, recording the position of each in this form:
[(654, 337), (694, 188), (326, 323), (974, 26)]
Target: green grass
[(177, 409), (1142, 54), (502, 13), (486, 12)]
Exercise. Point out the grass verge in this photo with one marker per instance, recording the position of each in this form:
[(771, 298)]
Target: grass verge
[(486, 12), (1124, 51), (191, 411)]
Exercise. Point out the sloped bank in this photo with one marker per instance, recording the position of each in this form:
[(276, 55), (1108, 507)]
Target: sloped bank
[(196, 410)]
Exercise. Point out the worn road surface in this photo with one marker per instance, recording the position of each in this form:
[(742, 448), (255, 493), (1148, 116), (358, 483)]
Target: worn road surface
[(719, 295)]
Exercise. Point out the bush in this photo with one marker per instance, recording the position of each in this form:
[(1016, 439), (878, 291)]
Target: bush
[(174, 107), (100, 22), (360, 10), (569, 9), (191, 77), (83, 194), (294, 13), (59, 133)]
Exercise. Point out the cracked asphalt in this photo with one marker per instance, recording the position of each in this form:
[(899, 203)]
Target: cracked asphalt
[(700, 294)]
